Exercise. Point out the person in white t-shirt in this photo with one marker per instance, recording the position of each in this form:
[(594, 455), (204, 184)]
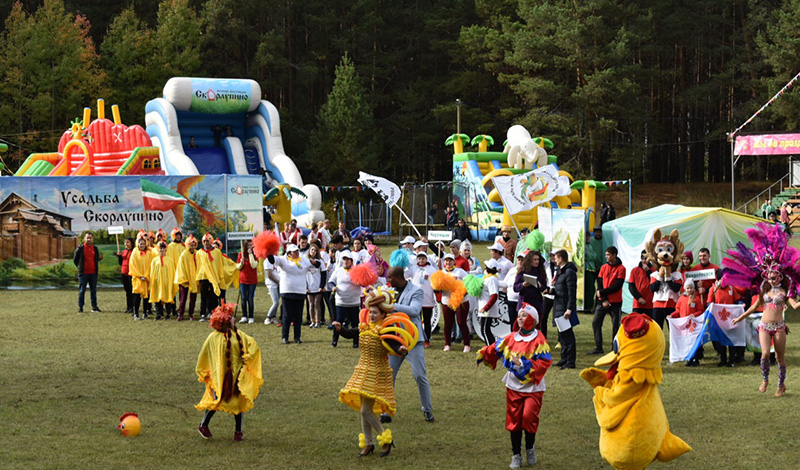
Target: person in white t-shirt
[(314, 283), (503, 264), (360, 254), (293, 271), (348, 295), (420, 275), (507, 286), (487, 302)]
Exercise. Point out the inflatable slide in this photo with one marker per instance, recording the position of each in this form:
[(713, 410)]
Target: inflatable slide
[(222, 126)]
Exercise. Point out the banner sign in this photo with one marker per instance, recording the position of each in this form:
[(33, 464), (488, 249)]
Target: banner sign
[(220, 96), (528, 190), (444, 235), (767, 144), (563, 229), (116, 230), (197, 204), (387, 190), (701, 275), (236, 236)]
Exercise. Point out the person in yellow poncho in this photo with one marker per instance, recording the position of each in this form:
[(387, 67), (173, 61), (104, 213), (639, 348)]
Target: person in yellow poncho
[(177, 247), (162, 283), (229, 364), (139, 269), (209, 275), (230, 272), (634, 431), (370, 389), (186, 278)]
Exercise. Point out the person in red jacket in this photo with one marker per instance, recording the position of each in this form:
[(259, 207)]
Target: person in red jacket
[(720, 293), (248, 280), (610, 280), (123, 257), (690, 303), (704, 258), (639, 286)]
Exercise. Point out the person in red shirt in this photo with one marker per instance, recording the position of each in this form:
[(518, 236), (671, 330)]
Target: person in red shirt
[(610, 280), (461, 262), (87, 258), (639, 286), (720, 293), (123, 257), (248, 280), (290, 235), (704, 257), (690, 303)]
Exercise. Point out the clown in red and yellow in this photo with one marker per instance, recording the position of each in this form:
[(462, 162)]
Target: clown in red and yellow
[(526, 355)]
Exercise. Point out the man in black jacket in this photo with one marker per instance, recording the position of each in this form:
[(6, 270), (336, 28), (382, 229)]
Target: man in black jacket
[(565, 286), (87, 258)]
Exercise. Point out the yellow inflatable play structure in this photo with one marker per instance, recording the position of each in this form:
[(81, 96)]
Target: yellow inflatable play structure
[(634, 430)]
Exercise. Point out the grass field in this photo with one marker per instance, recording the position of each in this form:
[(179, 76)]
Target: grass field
[(67, 378)]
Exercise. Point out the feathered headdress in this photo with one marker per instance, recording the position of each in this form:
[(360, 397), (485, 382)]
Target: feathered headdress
[(266, 243), (399, 259), (771, 253)]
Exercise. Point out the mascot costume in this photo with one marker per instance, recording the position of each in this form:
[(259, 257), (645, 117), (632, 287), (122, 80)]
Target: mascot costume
[(634, 430), (666, 281)]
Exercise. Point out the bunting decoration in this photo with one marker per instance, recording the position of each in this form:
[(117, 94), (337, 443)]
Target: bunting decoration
[(783, 90)]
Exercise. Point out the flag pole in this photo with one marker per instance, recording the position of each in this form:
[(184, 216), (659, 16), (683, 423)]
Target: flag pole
[(505, 207), (409, 220)]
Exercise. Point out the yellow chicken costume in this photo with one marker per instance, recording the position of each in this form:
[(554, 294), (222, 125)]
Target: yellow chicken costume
[(162, 280), (634, 430), (186, 271), (175, 249), (209, 267), (138, 267)]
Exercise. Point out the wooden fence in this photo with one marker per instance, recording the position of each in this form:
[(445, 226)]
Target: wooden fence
[(36, 248)]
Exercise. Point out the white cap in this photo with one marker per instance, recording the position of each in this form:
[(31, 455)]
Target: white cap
[(291, 247), (408, 239), (419, 243), (491, 263), (422, 254), (345, 254), (688, 283), (449, 256), (497, 247)]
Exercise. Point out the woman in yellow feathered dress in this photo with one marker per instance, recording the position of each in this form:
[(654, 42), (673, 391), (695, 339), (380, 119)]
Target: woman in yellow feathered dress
[(139, 269), (370, 390), (230, 367)]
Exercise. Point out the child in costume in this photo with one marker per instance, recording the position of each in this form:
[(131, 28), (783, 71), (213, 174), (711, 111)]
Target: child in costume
[(139, 269), (186, 278), (771, 268), (526, 355), (370, 389), (634, 430), (162, 283), (230, 272), (690, 304), (209, 276), (229, 365)]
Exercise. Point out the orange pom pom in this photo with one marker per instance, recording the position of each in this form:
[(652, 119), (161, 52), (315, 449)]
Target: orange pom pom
[(265, 244), (443, 281), (364, 275)]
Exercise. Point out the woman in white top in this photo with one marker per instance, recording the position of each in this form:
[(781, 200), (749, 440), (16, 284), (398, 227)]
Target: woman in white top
[(450, 316), (474, 264), (507, 286), (360, 254), (487, 302), (348, 296), (293, 271), (314, 282), (420, 275)]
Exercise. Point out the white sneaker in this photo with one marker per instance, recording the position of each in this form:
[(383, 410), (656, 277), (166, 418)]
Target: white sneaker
[(530, 456), (467, 349), (250, 320), (446, 347), (516, 461), (243, 320), (268, 321), (202, 318)]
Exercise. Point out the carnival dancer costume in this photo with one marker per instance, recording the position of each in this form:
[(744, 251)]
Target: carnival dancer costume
[(771, 269), (526, 355), (229, 365), (370, 390), (634, 430)]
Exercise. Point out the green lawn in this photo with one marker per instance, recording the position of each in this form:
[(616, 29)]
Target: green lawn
[(67, 378)]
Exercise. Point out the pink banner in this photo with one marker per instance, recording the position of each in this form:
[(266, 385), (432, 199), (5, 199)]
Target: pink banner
[(767, 144)]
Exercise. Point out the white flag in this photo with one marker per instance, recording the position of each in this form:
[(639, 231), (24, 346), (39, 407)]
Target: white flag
[(684, 335), (387, 190), (722, 328), (528, 190)]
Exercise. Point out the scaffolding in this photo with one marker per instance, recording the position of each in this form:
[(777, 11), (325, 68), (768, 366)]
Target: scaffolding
[(374, 214), (418, 200)]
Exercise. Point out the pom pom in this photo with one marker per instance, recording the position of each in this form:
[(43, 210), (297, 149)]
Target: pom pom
[(535, 240), (385, 438), (443, 281), (364, 275), (474, 285), (265, 244), (399, 259)]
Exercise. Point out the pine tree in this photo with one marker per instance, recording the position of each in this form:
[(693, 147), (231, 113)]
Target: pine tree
[(346, 139)]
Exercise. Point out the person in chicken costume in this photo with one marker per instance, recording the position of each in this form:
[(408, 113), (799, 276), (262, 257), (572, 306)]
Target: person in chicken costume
[(634, 430)]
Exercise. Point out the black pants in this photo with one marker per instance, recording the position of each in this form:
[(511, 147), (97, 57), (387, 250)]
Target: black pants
[(326, 305), (567, 340), (516, 441), (511, 306), (161, 306), (128, 286), (349, 316), (547, 305), (660, 315), (138, 300), (208, 299), (486, 329), (292, 313), (210, 414), (427, 318), (600, 313)]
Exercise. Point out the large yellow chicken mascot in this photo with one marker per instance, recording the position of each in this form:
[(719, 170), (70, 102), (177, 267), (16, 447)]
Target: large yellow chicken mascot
[(634, 430)]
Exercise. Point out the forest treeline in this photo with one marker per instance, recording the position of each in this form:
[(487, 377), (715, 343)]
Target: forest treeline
[(626, 89)]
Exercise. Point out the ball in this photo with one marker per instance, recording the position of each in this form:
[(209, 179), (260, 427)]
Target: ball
[(130, 425)]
